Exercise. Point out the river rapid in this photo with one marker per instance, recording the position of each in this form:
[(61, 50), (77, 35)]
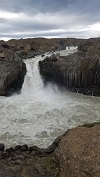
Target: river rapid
[(40, 114)]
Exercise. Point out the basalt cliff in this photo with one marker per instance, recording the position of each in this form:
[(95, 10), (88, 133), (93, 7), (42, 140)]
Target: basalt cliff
[(79, 72), (12, 71)]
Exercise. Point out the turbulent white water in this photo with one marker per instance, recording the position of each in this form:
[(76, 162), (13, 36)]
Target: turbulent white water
[(39, 114)]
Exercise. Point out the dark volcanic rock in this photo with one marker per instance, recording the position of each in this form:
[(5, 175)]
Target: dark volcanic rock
[(12, 70), (79, 72), (2, 147), (11, 76), (24, 147)]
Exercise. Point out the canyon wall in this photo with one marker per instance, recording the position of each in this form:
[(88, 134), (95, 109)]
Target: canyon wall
[(79, 72)]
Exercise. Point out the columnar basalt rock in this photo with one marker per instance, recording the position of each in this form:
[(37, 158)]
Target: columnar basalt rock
[(78, 72), (11, 76)]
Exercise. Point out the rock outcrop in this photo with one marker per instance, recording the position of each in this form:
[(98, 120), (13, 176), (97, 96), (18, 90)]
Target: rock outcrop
[(11, 77), (79, 152), (79, 72), (12, 71), (76, 153)]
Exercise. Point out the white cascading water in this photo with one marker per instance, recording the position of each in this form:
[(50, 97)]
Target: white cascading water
[(39, 114)]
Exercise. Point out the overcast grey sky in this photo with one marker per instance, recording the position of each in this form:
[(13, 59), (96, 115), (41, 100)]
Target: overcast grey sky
[(49, 18)]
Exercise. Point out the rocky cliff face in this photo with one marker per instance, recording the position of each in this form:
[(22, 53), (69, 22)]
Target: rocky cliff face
[(11, 76), (78, 72), (12, 70)]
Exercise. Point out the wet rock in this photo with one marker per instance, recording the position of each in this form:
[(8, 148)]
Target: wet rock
[(36, 149), (1, 156), (24, 147), (10, 150), (2, 147), (11, 76), (18, 147)]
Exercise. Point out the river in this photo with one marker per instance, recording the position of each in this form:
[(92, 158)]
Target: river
[(39, 114)]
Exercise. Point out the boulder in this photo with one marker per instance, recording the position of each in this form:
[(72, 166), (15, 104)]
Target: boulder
[(2, 55), (79, 152)]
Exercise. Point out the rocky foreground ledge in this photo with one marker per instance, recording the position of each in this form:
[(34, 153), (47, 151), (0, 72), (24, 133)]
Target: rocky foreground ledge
[(74, 154)]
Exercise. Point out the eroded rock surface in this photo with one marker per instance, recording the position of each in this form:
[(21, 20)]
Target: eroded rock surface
[(79, 152)]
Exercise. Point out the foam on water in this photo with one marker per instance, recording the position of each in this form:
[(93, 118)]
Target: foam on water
[(39, 114)]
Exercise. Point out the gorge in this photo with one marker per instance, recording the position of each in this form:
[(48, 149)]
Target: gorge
[(40, 113)]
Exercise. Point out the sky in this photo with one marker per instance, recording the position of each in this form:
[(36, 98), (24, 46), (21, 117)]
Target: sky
[(49, 18)]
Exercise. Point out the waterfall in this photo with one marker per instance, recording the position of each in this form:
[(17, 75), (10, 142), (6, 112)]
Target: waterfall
[(39, 114)]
